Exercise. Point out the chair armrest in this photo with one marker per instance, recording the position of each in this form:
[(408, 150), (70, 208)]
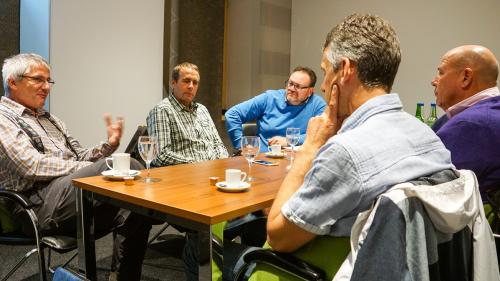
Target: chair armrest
[(17, 197), (286, 262), (235, 227)]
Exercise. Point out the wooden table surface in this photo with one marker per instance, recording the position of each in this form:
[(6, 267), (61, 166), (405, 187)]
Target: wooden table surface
[(185, 191)]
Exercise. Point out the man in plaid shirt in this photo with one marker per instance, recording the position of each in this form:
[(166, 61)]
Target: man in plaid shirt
[(185, 130), (186, 134), (39, 158)]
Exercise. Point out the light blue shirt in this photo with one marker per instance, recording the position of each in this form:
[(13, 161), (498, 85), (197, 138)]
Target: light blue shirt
[(378, 146), (273, 115)]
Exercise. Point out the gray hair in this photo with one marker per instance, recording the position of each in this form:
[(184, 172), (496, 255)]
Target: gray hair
[(371, 43), (16, 66)]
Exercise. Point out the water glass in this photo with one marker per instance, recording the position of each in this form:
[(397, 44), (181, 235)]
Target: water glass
[(250, 147), (292, 138), (148, 149)]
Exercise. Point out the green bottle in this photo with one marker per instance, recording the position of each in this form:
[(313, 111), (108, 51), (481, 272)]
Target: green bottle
[(432, 116), (418, 114)]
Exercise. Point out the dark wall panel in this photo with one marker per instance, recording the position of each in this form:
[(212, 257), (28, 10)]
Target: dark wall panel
[(201, 41), (9, 30)]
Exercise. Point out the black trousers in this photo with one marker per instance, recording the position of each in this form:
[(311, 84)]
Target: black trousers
[(56, 211)]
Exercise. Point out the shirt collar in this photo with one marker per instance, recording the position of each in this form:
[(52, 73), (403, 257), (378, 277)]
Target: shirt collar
[(470, 101), (373, 106), (179, 106), (19, 109)]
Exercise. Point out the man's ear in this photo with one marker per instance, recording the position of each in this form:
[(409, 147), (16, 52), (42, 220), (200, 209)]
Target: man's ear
[(467, 76), (173, 83), (12, 84), (346, 71), (311, 91)]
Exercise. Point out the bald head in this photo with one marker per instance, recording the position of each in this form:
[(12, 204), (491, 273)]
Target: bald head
[(479, 59), (463, 72)]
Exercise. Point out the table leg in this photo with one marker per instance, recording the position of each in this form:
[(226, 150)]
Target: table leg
[(85, 234), (205, 270)]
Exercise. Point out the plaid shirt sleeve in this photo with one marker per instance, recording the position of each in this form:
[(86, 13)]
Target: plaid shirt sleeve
[(91, 154)]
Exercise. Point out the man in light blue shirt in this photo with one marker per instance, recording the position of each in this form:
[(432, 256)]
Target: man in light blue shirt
[(276, 110), (363, 144)]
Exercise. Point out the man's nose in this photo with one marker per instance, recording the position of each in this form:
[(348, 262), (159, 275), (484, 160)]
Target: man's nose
[(46, 86), (434, 82)]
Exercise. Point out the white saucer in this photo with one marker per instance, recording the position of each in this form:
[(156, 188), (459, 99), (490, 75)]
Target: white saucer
[(275, 155), (222, 186), (112, 174)]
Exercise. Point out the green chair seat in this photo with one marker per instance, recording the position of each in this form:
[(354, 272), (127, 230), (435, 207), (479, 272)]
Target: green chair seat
[(324, 252)]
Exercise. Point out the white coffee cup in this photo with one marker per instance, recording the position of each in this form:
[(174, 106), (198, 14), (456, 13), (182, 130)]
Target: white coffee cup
[(234, 177), (275, 149), (120, 163)]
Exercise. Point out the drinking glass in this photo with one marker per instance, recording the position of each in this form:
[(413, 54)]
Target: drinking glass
[(292, 138), (148, 149), (250, 147)]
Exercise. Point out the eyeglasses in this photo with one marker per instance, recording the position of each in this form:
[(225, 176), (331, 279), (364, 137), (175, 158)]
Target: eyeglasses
[(39, 80), (293, 85)]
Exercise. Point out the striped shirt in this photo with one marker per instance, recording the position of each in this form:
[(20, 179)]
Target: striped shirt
[(185, 135), (22, 166)]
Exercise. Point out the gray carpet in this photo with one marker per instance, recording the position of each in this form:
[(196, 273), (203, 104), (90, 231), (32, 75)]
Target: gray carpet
[(162, 261)]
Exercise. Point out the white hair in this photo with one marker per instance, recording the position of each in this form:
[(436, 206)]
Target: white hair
[(16, 66)]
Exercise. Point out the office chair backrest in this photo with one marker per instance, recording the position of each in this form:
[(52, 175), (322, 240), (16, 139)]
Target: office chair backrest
[(250, 129), (132, 148)]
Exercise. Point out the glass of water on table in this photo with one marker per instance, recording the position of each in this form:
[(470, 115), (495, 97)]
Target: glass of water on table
[(148, 149), (292, 138), (250, 147)]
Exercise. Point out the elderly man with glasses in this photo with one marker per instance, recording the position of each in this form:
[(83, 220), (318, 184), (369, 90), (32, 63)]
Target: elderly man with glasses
[(276, 110), (39, 158)]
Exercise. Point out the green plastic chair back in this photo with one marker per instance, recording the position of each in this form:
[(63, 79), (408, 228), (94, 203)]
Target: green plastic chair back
[(218, 231), (490, 214), (325, 252)]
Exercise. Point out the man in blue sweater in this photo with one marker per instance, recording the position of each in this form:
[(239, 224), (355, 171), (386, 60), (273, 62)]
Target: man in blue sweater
[(466, 88), (276, 110)]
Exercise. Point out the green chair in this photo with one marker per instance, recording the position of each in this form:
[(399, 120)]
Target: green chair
[(217, 243), (318, 260)]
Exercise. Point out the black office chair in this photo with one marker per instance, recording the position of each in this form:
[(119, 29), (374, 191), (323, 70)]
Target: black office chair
[(132, 148), (60, 244), (249, 129)]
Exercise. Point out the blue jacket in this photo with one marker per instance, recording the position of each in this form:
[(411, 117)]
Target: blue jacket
[(273, 115)]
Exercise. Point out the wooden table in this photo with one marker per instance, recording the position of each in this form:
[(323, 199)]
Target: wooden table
[(183, 196)]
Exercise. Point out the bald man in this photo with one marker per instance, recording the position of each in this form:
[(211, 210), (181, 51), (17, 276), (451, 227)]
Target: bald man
[(466, 88)]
